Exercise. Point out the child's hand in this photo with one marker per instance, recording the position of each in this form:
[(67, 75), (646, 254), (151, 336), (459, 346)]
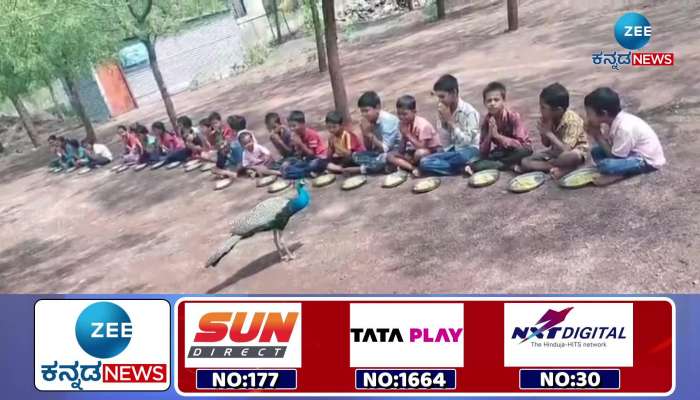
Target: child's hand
[(404, 130), (365, 126), (544, 126), (444, 112), (493, 128)]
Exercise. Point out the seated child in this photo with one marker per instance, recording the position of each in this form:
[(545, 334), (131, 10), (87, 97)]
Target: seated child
[(380, 135), (230, 154), (342, 144), (189, 140), (210, 139), (504, 140), (418, 137), (222, 130), (308, 144), (631, 146), (561, 130), (55, 150), (256, 157), (458, 127), (133, 148), (280, 135), (169, 142), (95, 155), (152, 149)]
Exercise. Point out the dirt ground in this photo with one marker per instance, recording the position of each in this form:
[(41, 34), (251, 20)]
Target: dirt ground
[(151, 231)]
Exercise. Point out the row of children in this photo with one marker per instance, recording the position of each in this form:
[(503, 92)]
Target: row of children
[(457, 143)]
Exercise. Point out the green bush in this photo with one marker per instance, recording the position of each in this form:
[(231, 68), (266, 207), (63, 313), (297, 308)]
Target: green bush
[(256, 54)]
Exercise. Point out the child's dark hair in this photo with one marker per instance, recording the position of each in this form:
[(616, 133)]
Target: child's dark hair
[(236, 122), (122, 127), (272, 117), (215, 116), (369, 99), (244, 134), (334, 117), (205, 122), (51, 138), (85, 142), (138, 128), (602, 100), (185, 121), (406, 102), (158, 125), (495, 86), (297, 116), (555, 95), (447, 83)]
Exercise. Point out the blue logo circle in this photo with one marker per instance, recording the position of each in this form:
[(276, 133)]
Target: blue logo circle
[(103, 329), (633, 31)]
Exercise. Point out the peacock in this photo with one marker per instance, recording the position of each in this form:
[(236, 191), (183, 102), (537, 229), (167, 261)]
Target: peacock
[(269, 215)]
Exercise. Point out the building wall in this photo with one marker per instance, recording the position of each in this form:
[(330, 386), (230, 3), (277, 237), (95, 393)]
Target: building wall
[(209, 50)]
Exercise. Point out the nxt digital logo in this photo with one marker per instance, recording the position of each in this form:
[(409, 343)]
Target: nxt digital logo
[(221, 334), (550, 330), (102, 345), (568, 335)]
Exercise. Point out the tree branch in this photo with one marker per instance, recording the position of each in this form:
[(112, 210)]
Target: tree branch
[(140, 18)]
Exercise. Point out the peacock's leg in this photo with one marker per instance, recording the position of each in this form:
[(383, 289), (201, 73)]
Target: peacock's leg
[(290, 255), (276, 237)]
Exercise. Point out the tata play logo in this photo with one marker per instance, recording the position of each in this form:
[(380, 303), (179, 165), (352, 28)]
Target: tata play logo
[(633, 31), (406, 335), (547, 328), (568, 334), (242, 334), (102, 345)]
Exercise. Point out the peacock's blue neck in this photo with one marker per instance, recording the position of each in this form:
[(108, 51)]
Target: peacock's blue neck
[(301, 201)]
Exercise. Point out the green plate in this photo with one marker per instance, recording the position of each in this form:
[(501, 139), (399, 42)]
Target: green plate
[(115, 167), (426, 185), (324, 180), (84, 170), (71, 169), (206, 167), (484, 178), (527, 182), (173, 164), (394, 180), (139, 167), (579, 178), (122, 168), (353, 182)]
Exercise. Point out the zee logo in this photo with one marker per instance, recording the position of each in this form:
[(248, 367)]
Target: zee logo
[(103, 330), (633, 31)]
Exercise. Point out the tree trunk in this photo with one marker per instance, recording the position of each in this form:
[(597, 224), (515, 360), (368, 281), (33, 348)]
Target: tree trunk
[(167, 101), (440, 8), (322, 64), (276, 17), (340, 97), (56, 105), (26, 119), (512, 15), (410, 5), (77, 102)]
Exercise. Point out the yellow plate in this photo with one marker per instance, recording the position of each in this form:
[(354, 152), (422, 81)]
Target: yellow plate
[(139, 167), (324, 180), (266, 180), (394, 180), (579, 178), (222, 184), (484, 178), (353, 182), (279, 186), (526, 182), (426, 185)]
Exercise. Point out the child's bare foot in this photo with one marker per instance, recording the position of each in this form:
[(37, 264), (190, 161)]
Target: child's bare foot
[(468, 171), (605, 180), (517, 169), (416, 173), (556, 173)]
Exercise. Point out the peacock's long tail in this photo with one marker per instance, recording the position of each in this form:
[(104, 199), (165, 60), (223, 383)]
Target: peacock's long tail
[(224, 249)]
